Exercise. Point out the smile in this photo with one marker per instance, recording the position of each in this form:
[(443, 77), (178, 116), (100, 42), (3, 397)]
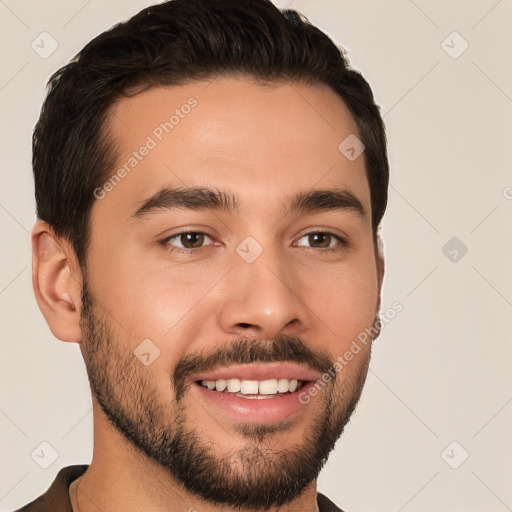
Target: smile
[(254, 389), (254, 393)]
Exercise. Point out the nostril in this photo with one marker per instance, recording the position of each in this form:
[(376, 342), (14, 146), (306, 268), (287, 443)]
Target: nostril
[(245, 325)]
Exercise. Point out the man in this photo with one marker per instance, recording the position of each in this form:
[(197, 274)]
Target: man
[(210, 177)]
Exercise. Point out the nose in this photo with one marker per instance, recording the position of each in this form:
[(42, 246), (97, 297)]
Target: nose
[(263, 299)]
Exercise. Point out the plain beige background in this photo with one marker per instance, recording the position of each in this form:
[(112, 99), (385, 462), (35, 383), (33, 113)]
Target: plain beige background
[(439, 389)]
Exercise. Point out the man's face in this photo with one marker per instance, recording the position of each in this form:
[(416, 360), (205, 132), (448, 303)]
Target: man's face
[(262, 288)]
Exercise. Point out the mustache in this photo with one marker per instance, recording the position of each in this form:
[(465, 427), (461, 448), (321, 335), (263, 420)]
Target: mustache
[(246, 351)]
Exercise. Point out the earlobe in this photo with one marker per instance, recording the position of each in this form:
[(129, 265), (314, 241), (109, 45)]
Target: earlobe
[(57, 282)]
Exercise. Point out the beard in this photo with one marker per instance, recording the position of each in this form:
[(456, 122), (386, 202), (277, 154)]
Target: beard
[(255, 476)]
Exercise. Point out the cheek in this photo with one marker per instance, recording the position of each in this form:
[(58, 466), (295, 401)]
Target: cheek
[(160, 301), (346, 301)]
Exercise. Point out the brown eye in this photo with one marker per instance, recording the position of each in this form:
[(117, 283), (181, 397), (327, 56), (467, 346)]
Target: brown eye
[(322, 240), (190, 240)]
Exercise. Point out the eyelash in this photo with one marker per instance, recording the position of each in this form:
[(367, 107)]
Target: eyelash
[(342, 243)]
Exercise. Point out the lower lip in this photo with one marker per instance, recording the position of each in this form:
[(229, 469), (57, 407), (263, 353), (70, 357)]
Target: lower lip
[(264, 410)]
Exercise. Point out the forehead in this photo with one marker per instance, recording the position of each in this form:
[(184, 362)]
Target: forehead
[(260, 142)]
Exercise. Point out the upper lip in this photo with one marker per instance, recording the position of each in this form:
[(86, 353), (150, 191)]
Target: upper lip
[(260, 371)]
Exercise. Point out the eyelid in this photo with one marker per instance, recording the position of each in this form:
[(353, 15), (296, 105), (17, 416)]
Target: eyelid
[(166, 245), (343, 242)]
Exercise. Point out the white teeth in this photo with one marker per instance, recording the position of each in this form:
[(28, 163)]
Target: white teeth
[(220, 385), (210, 384), (282, 385), (253, 387), (249, 387), (233, 385), (268, 387)]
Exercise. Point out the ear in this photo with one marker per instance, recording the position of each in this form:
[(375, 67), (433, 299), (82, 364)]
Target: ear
[(57, 282)]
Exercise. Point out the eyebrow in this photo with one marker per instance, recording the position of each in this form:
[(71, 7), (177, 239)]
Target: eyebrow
[(205, 198), (192, 198)]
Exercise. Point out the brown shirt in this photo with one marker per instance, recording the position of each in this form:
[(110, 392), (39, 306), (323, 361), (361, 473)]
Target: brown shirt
[(56, 498)]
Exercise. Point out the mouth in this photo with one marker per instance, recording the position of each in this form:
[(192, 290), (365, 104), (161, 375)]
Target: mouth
[(254, 389), (255, 393)]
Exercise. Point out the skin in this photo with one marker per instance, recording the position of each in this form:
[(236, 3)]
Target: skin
[(263, 144)]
